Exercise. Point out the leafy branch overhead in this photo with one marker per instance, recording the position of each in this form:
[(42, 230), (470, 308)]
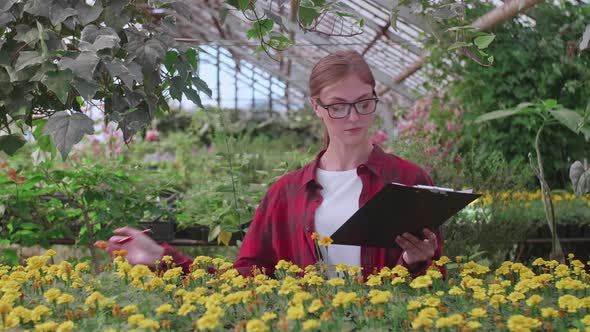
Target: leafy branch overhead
[(62, 55)]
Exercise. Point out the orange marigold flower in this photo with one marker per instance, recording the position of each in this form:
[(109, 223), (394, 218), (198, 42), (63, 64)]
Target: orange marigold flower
[(315, 236)]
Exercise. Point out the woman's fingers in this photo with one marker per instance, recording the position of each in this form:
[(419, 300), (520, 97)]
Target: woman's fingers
[(113, 245)]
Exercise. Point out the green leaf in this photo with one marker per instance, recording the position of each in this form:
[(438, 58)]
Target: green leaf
[(170, 60), (457, 45), (213, 233), (38, 7), (148, 52), (192, 57), (26, 34), (96, 39), (482, 42), (10, 257), (202, 86), (496, 115), (243, 4), (572, 121), (550, 103), (193, 96), (28, 58), (58, 14), (176, 87), (86, 89), (83, 66), (128, 73), (60, 83), (67, 130), (87, 14), (260, 28), (11, 143)]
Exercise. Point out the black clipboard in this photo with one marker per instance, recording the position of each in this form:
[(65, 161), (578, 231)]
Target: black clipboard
[(397, 209)]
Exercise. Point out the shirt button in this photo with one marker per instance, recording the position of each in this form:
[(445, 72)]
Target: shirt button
[(316, 199), (307, 229)]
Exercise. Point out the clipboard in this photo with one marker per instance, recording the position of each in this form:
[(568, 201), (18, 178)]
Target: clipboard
[(397, 209)]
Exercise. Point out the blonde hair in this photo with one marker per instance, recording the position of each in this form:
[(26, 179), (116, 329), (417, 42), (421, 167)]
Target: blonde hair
[(335, 67)]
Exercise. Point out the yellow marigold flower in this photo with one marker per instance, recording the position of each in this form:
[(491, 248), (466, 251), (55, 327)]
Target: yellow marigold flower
[(343, 299), (294, 269), (207, 322), (263, 289), (311, 324), (167, 259), (65, 298), (199, 273), (515, 297), (439, 293), (373, 281), (149, 324), (5, 307), (453, 320), (315, 305), (539, 262), (129, 309), (165, 308), (522, 323), (49, 326), (66, 326), (325, 241), (268, 316), (497, 299), (431, 313), (354, 270), (336, 282), (473, 325), (569, 303), (400, 271), (442, 261), (315, 236), (283, 265), (38, 312), (534, 300), (478, 313), (50, 253), (421, 282), (421, 323), (95, 298), (300, 297), (459, 259), (52, 294), (214, 310), (256, 325), (398, 280), (586, 320), (549, 313), (379, 297), (295, 312), (434, 273), (185, 309), (140, 271), (413, 304), (135, 319), (82, 267), (432, 301), (174, 273), (341, 267)]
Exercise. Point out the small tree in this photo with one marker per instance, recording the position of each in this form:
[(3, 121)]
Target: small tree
[(551, 113), (59, 56)]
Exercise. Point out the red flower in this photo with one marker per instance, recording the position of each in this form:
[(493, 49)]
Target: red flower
[(12, 174), (4, 164), (21, 179), (152, 135)]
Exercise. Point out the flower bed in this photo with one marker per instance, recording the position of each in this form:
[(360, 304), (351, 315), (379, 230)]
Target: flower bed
[(515, 297)]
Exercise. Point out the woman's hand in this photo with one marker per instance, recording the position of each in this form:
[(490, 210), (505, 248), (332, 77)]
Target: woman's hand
[(416, 250), (140, 250)]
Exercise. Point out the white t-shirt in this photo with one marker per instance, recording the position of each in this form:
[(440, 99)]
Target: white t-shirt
[(340, 200)]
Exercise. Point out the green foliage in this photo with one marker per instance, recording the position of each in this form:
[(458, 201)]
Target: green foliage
[(86, 203), (544, 64), (64, 55)]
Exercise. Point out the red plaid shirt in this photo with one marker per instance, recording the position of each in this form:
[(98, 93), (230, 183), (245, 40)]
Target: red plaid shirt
[(284, 220)]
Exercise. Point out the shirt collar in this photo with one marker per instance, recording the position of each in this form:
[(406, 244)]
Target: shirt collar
[(374, 164)]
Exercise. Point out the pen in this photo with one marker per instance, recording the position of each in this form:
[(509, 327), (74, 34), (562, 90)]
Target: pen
[(129, 238)]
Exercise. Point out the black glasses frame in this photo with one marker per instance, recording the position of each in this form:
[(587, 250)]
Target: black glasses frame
[(350, 106)]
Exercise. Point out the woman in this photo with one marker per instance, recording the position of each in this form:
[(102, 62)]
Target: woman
[(321, 196)]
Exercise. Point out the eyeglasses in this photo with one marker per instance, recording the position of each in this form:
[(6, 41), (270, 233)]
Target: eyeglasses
[(342, 110)]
